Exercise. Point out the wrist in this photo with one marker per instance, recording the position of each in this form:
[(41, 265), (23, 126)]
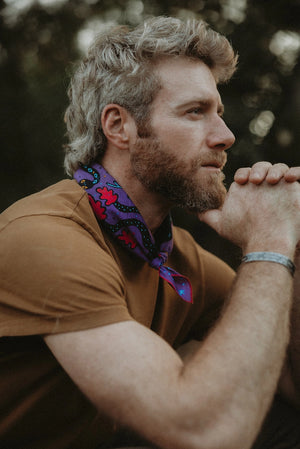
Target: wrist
[(282, 246), (270, 256)]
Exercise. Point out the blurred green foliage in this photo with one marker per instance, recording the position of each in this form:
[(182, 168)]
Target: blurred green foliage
[(40, 41)]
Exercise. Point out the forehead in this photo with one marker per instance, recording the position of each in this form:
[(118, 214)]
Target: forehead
[(183, 80)]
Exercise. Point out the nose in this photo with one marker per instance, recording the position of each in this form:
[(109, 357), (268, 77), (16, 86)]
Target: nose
[(220, 137)]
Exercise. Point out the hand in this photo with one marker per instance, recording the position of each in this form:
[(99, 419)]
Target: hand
[(187, 351), (260, 217), (265, 171)]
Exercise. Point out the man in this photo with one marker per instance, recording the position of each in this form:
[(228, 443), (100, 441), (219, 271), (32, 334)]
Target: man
[(98, 290)]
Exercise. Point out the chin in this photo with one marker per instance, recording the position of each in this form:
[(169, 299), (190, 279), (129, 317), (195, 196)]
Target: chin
[(206, 197)]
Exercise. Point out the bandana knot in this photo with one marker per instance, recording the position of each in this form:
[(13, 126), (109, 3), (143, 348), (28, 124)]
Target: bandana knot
[(121, 218)]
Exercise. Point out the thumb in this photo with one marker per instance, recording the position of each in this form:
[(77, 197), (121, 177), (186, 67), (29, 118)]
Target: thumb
[(212, 218)]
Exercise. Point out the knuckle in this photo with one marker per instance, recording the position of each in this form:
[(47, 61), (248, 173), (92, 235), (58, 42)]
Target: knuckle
[(239, 171), (280, 167), (262, 164)]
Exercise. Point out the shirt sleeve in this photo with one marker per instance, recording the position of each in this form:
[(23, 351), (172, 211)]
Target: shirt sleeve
[(56, 278)]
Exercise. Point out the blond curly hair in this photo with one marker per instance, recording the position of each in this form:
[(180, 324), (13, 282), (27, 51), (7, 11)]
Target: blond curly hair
[(119, 69)]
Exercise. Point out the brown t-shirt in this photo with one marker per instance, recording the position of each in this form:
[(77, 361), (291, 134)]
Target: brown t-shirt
[(61, 272)]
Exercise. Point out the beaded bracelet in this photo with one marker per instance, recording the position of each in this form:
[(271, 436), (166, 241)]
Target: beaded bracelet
[(266, 256)]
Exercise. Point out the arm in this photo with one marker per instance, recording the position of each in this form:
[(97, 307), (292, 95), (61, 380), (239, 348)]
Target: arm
[(295, 331), (133, 375), (289, 385)]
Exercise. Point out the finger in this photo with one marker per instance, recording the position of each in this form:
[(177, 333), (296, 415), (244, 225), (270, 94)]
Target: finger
[(242, 175), (259, 172), (276, 172), (292, 175)]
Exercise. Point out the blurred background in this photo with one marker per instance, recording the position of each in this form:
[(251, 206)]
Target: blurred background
[(40, 40)]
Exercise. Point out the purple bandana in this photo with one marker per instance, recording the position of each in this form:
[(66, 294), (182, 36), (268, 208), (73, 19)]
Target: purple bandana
[(115, 210)]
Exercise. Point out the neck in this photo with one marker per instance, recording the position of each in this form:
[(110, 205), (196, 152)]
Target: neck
[(153, 207)]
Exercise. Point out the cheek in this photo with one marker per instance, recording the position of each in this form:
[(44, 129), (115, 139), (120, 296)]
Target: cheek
[(182, 142), (169, 134), (185, 138)]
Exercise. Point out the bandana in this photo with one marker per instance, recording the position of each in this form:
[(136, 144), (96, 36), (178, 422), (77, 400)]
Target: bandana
[(119, 216)]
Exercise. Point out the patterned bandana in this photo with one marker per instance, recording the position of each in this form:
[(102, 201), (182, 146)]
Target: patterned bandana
[(115, 210)]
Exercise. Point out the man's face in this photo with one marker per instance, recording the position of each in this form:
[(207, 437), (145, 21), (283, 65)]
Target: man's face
[(183, 156)]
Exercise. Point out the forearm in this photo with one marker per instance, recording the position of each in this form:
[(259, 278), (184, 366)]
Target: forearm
[(244, 355), (289, 384), (241, 360), (293, 359)]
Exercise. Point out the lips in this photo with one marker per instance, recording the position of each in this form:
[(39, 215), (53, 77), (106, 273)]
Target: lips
[(214, 159), (215, 164)]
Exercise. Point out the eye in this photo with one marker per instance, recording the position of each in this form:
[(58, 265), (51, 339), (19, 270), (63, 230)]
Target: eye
[(196, 111)]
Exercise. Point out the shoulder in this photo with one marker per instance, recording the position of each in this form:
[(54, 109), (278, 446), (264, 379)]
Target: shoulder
[(56, 220), (59, 199), (54, 259), (64, 204)]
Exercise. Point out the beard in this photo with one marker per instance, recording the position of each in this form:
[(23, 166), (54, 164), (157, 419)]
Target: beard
[(178, 181)]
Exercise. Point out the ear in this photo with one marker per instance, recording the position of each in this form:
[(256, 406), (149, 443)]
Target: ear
[(116, 124)]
